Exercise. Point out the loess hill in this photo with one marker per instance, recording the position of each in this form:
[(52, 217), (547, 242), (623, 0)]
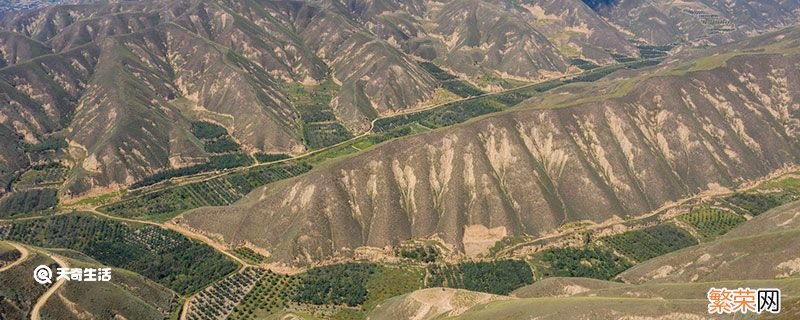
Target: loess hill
[(627, 149), (120, 83)]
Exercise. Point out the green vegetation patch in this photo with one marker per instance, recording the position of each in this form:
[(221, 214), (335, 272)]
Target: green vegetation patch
[(653, 51), (270, 157), (221, 145), (583, 64), (220, 162), (449, 114), (163, 256), (756, 203), (621, 58), (42, 175), (462, 88), (587, 262), (651, 242), (34, 201), (220, 299), (270, 295), (711, 222), (463, 110), (207, 130), (8, 254), (387, 281), (320, 135), (497, 277), (504, 243), (47, 145), (321, 128), (362, 143), (215, 138), (223, 190), (435, 71), (339, 284), (19, 291), (249, 255), (425, 253), (450, 82)]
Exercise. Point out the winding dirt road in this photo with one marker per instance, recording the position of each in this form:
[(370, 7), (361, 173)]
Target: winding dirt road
[(24, 255), (43, 299)]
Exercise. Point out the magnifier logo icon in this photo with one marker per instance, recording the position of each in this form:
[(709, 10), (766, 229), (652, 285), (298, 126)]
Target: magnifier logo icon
[(43, 275)]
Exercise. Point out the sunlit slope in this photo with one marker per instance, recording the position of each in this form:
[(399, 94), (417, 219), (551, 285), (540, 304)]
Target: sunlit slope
[(640, 145), (121, 82)]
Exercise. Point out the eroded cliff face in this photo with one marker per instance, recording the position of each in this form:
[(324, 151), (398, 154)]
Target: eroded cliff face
[(530, 171), (121, 81)]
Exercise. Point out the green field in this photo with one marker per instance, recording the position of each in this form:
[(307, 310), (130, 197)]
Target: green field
[(710, 222), (249, 255), (219, 300), (338, 284), (47, 145), (28, 202), (321, 128), (588, 262), (44, 175), (218, 162), (583, 64), (651, 242), (424, 253), (322, 134), (756, 203), (270, 157), (164, 256), (387, 281), (497, 277), (215, 138), (8, 254), (269, 296), (222, 190), (207, 130)]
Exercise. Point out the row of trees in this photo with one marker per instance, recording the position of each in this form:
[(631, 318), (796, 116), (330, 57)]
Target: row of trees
[(187, 267), (497, 277), (340, 284), (220, 162), (28, 201), (587, 262)]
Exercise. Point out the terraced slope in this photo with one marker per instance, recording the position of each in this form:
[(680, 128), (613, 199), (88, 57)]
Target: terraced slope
[(627, 149)]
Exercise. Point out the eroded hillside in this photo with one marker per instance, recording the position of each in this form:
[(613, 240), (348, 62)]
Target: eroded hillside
[(528, 172), (122, 82)]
